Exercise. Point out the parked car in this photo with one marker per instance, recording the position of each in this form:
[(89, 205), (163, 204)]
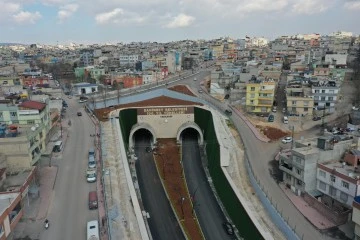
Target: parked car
[(287, 140), (274, 109), (200, 91), (271, 118), (91, 175), (316, 118), (228, 112), (79, 114), (228, 228), (283, 110), (82, 100)]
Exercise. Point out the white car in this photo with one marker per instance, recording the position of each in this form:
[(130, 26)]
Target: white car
[(287, 140), (274, 109), (82, 100)]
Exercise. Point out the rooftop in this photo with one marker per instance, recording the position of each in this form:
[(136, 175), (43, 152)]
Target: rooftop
[(33, 105), (14, 182), (343, 168), (6, 199)]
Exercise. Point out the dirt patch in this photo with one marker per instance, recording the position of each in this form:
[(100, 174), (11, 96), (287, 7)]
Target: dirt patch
[(182, 89), (167, 160), (272, 133)]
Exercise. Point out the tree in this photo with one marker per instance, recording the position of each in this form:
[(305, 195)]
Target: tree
[(118, 87)]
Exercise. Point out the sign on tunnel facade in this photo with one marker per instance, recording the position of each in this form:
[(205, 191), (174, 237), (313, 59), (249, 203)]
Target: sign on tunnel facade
[(165, 111), (166, 121)]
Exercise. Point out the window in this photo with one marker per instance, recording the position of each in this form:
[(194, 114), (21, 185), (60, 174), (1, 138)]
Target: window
[(322, 91), (13, 114), (293, 109), (330, 98), (332, 191), (252, 89), (331, 91), (322, 185), (322, 174), (317, 91), (322, 98), (306, 109), (298, 171), (332, 178), (299, 182), (345, 184), (306, 103), (252, 95), (1, 115), (293, 102), (252, 108), (30, 121), (343, 196), (251, 101)]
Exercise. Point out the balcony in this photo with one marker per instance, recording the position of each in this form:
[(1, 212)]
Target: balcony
[(265, 103), (266, 90), (286, 168)]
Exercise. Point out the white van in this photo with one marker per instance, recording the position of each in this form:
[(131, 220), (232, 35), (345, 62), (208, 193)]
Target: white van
[(58, 146), (286, 120), (92, 230)]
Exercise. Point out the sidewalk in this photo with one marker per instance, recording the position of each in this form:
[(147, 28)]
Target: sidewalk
[(99, 186), (36, 209), (311, 214)]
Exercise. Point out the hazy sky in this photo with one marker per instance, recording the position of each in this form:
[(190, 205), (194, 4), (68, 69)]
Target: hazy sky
[(100, 21)]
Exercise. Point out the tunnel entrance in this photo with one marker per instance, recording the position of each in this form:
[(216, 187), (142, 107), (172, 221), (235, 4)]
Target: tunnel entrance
[(141, 131), (142, 138), (189, 134), (190, 129)]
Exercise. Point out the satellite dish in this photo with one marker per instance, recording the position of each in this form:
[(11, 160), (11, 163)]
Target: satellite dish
[(33, 129)]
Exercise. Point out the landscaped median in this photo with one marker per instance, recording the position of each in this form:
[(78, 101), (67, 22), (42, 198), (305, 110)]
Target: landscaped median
[(167, 159)]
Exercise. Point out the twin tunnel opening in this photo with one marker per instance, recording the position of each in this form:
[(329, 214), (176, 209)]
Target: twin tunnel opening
[(188, 130)]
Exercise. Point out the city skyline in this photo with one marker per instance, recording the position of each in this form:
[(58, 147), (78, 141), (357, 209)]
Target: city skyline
[(77, 21)]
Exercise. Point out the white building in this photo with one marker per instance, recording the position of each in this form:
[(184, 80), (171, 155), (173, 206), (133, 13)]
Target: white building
[(148, 78), (341, 34), (356, 217), (336, 59), (84, 88), (339, 181), (325, 95), (128, 59)]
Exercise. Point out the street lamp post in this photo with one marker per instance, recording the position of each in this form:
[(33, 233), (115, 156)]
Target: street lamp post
[(182, 208)]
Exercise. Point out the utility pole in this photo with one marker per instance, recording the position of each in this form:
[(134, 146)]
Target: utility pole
[(323, 121), (292, 137)]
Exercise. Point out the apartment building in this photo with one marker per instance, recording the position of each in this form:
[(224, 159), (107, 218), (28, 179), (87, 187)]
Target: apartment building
[(260, 96), (300, 166), (325, 95), (299, 101), (356, 217), (338, 180), (173, 61), (128, 59), (86, 59), (22, 145)]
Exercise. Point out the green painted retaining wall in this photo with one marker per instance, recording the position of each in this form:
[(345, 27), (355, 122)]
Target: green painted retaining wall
[(127, 119), (232, 204)]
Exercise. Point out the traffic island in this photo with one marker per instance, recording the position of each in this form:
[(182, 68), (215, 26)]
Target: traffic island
[(168, 164)]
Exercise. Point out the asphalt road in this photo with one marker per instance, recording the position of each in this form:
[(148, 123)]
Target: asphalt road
[(68, 213), (163, 224), (207, 209)]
